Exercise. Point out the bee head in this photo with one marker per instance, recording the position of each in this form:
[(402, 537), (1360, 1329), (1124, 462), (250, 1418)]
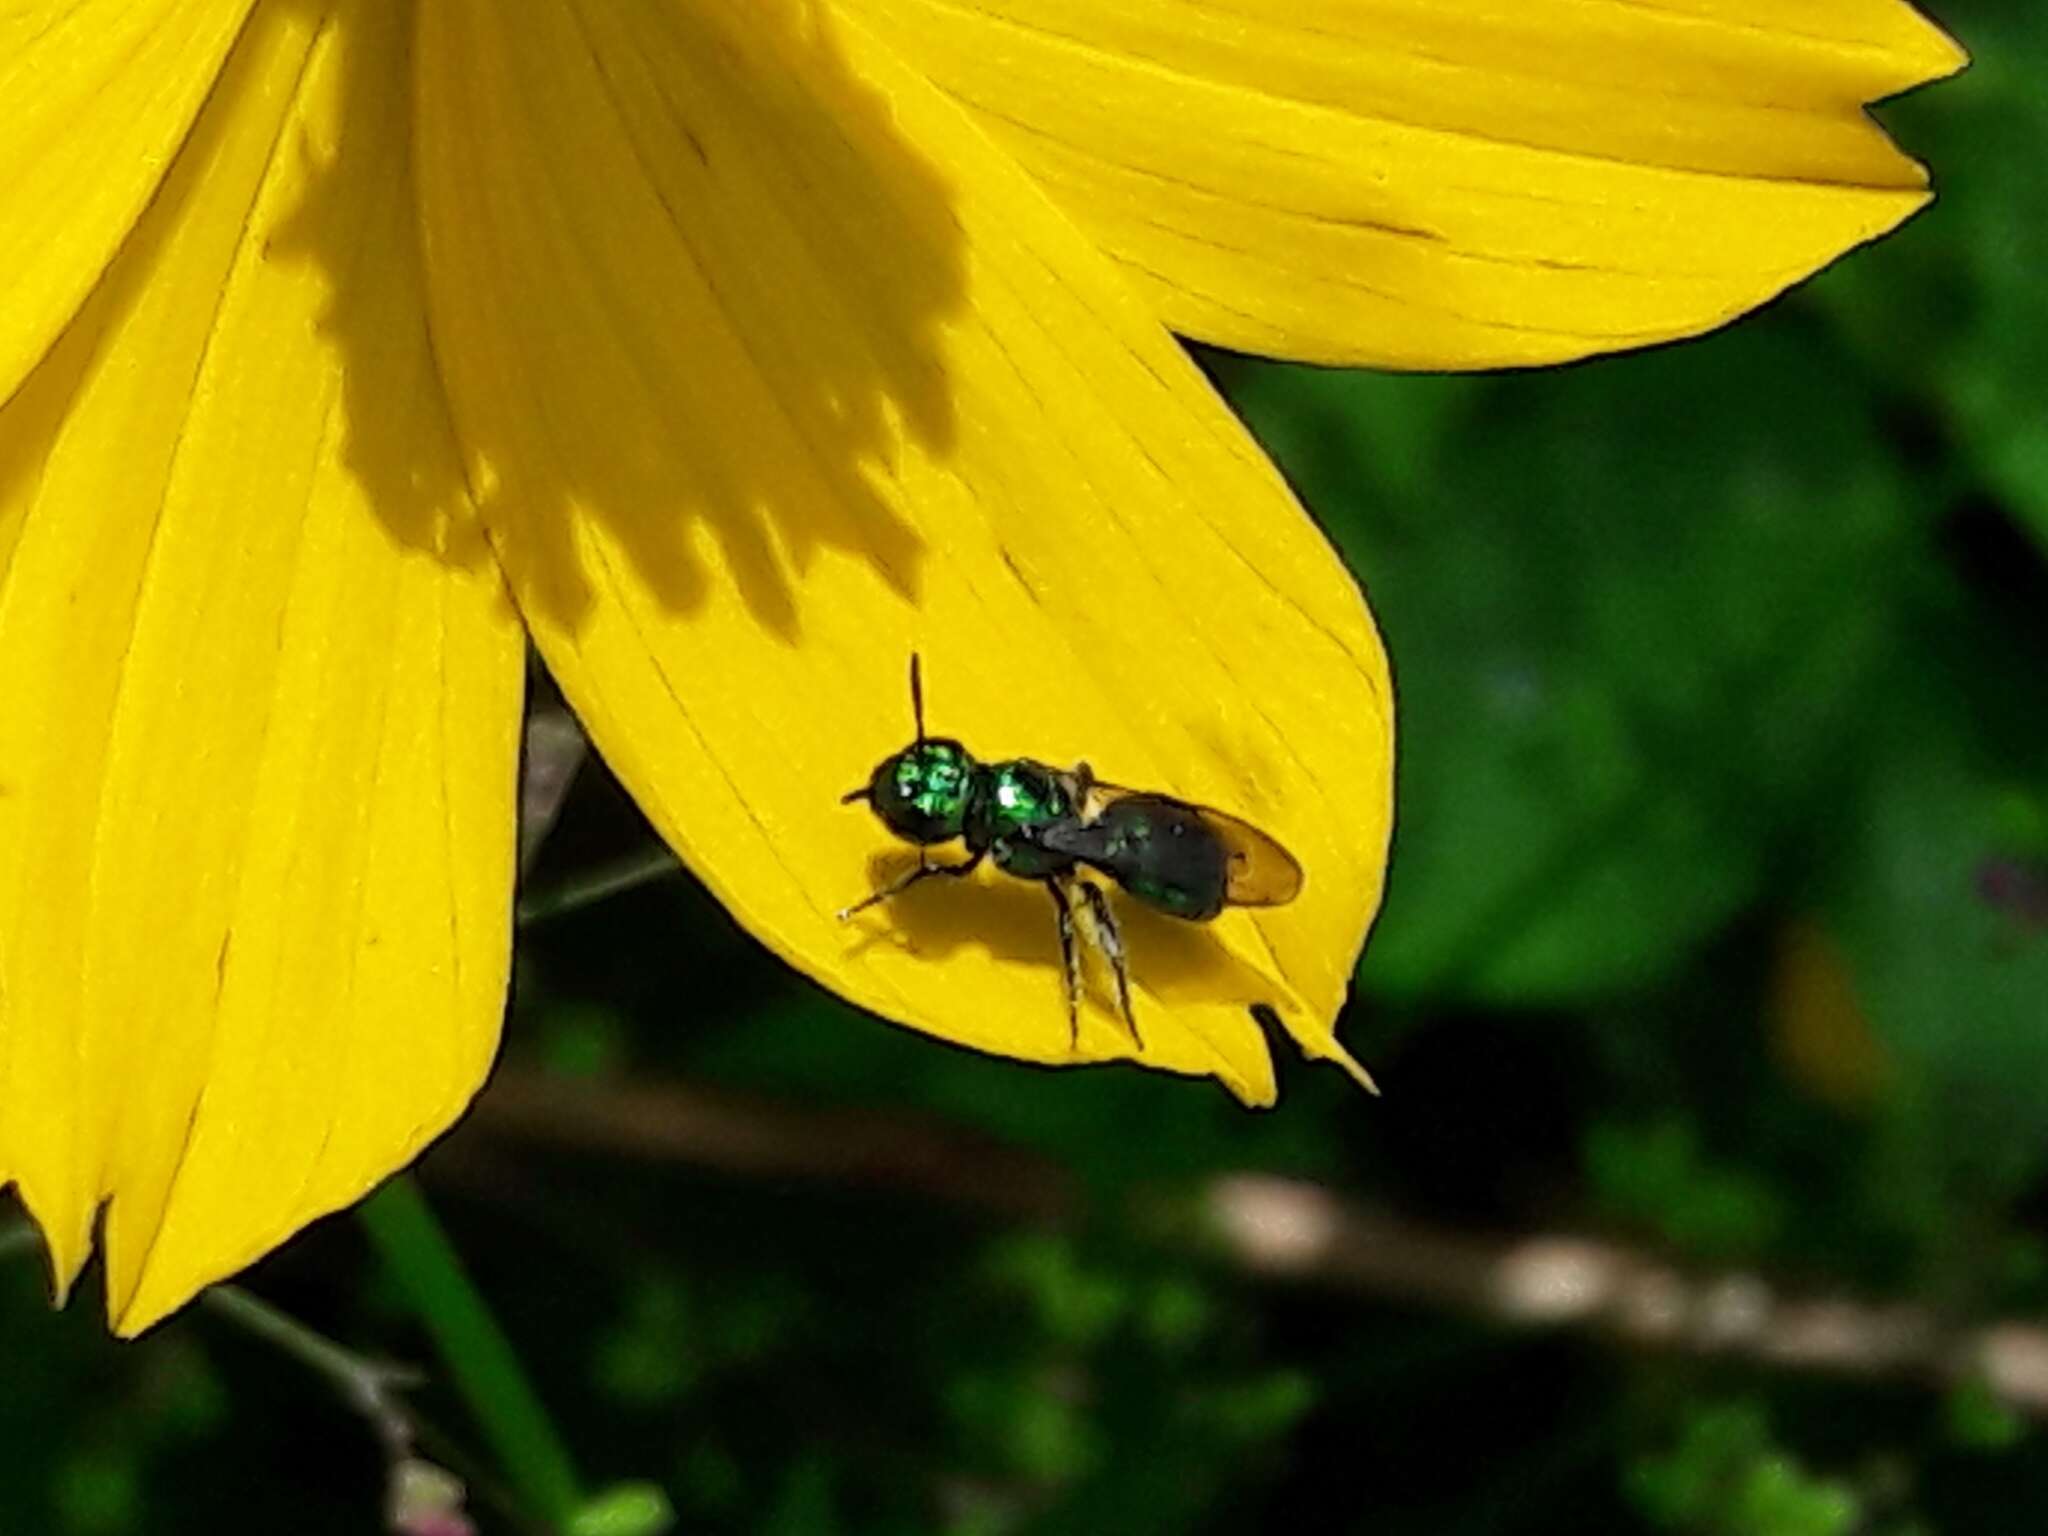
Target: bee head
[(921, 792)]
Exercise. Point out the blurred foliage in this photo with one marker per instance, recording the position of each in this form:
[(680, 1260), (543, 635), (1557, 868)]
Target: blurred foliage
[(1718, 925), (1726, 1474), (1629, 634)]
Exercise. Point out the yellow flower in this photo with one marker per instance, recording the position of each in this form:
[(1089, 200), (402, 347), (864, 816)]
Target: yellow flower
[(735, 349)]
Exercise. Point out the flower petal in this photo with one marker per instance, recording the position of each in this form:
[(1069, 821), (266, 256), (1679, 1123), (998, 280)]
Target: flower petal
[(258, 755), (1445, 183), (99, 94), (770, 368)]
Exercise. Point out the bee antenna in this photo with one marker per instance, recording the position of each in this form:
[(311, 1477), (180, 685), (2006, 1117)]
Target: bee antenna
[(865, 792), (917, 696)]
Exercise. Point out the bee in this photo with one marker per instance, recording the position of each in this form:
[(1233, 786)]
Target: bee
[(1046, 824)]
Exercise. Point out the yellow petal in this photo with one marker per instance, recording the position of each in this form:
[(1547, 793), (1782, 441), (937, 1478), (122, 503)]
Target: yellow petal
[(256, 828), (98, 95), (1445, 183), (770, 368)]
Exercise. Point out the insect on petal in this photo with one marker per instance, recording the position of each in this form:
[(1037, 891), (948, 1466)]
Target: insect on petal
[(771, 368)]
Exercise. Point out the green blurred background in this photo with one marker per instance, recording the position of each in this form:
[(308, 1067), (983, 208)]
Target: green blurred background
[(1713, 976)]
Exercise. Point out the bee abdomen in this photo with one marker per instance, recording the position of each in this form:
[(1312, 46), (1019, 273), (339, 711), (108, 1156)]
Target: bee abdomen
[(1161, 851)]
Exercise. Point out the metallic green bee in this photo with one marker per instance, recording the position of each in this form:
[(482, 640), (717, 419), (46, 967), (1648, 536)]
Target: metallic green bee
[(1047, 824)]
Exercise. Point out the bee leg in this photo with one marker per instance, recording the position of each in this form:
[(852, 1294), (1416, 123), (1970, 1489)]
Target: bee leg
[(1070, 960), (1111, 939), (907, 879)]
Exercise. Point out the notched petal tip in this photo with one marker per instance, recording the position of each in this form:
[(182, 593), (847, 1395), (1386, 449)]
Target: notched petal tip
[(1445, 186), (64, 1240), (1931, 52), (1359, 1075), (1317, 1043)]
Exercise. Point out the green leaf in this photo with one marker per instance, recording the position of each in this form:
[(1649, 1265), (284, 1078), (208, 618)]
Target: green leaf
[(1727, 1476), (629, 1509), (1658, 1177), (1954, 977), (1978, 1419), (1630, 607)]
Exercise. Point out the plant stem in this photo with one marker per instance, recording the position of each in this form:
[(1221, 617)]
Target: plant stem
[(369, 1386), (595, 885), (480, 1359)]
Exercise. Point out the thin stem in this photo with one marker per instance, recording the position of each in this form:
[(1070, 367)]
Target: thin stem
[(484, 1367), (554, 751), (598, 884), (369, 1386)]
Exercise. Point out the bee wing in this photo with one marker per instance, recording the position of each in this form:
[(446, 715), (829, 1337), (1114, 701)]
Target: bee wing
[(1261, 873)]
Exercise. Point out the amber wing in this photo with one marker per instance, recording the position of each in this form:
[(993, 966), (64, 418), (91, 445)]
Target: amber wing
[(1261, 873)]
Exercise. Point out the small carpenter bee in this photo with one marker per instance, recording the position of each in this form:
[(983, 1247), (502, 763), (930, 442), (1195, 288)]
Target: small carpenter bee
[(1043, 823)]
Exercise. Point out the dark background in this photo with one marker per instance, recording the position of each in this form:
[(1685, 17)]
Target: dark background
[(1713, 972)]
